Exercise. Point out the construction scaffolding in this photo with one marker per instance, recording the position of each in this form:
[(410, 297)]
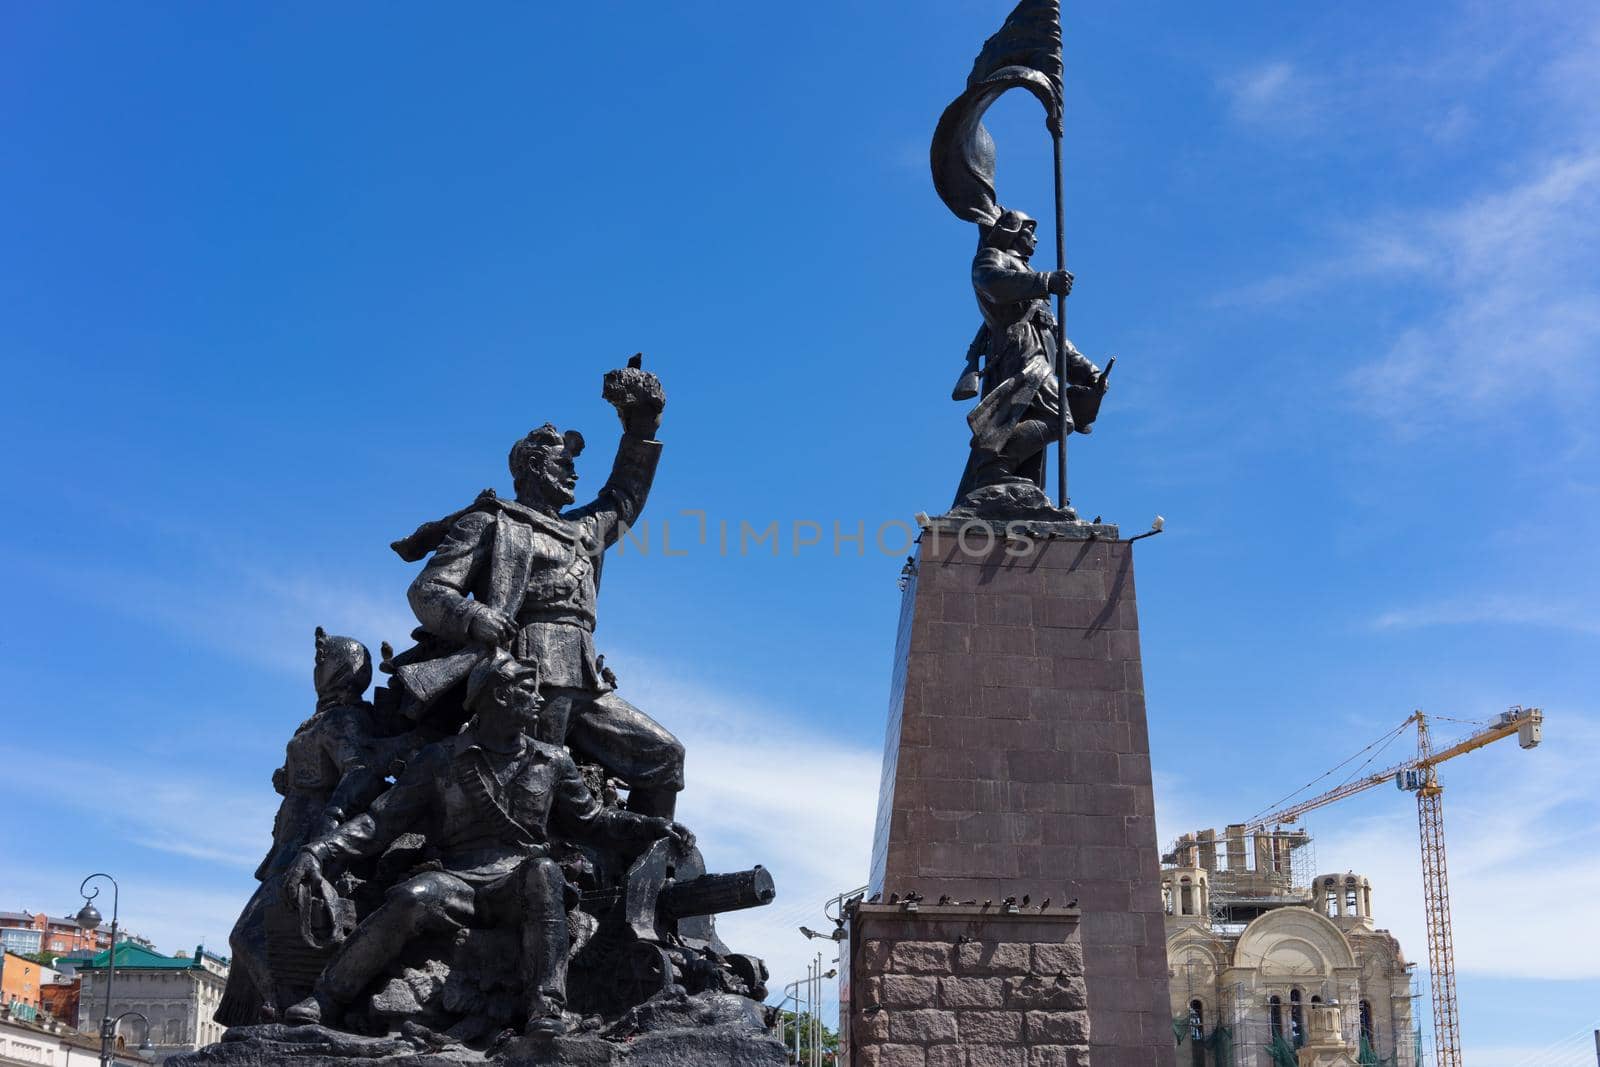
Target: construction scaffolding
[(1249, 875)]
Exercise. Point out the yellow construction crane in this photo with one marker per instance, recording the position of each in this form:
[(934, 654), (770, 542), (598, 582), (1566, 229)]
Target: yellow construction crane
[(1420, 776)]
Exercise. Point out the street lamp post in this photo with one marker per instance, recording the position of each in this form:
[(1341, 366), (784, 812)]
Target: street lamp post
[(816, 1013), (89, 919)]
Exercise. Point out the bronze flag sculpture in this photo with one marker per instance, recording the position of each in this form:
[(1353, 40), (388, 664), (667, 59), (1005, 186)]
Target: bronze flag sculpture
[(1025, 352)]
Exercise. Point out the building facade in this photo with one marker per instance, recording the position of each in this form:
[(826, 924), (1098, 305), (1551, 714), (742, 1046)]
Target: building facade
[(1262, 966), (26, 932), (61, 999), (22, 983), (25, 1044), (178, 994)]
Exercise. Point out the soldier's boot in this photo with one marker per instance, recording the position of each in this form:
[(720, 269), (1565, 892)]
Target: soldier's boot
[(316, 1008), (1026, 441), (547, 1018), (336, 986)]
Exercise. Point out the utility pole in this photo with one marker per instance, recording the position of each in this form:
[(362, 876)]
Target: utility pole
[(816, 1019)]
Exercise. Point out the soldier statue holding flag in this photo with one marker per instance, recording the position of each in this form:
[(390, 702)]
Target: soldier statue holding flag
[(1023, 347)]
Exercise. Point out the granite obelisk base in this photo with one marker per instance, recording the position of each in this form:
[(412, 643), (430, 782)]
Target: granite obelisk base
[(1017, 760)]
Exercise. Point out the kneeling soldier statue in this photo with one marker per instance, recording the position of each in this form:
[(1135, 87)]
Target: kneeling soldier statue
[(483, 799)]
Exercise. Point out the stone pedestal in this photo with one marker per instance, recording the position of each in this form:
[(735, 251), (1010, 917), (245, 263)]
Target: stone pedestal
[(965, 987), (1017, 757)]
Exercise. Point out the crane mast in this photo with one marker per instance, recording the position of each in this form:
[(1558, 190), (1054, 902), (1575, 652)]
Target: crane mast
[(1436, 902)]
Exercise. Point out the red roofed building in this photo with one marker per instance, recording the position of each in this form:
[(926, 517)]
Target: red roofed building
[(25, 933)]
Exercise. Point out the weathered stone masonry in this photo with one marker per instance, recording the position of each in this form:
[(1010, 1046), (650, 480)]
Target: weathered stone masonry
[(966, 987)]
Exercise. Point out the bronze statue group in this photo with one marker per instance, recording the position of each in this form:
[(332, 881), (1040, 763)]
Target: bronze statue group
[(497, 802)]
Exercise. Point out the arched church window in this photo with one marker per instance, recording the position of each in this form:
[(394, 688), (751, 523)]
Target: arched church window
[(1367, 1033), (1297, 1021), (1197, 1033), (1188, 897), (1275, 1015)]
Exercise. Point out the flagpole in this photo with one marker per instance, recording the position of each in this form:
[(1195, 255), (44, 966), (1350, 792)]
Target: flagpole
[(1061, 328)]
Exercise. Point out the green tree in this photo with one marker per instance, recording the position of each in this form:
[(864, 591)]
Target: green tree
[(830, 1038)]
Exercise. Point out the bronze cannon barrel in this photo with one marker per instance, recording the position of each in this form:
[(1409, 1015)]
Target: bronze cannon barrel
[(713, 894)]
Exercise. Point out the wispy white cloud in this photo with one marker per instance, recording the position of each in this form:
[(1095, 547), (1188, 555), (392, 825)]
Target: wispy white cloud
[(1518, 317), (1375, 249), (1495, 611), (1505, 316), (1545, 49), (254, 615), (1507, 313), (218, 821), (1270, 93)]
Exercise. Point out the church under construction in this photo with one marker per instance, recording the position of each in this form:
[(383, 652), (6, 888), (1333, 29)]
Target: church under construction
[(1274, 966)]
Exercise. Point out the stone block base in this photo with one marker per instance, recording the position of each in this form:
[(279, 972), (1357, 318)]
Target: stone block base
[(953, 986), (675, 1032)]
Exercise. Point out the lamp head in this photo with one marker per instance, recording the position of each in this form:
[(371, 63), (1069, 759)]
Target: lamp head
[(1159, 523), (88, 916)]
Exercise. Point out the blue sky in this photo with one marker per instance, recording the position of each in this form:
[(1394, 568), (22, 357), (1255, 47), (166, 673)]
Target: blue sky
[(279, 283)]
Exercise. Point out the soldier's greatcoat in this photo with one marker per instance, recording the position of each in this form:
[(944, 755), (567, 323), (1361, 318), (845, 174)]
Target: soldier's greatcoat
[(543, 571), (540, 569), (1019, 378)]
